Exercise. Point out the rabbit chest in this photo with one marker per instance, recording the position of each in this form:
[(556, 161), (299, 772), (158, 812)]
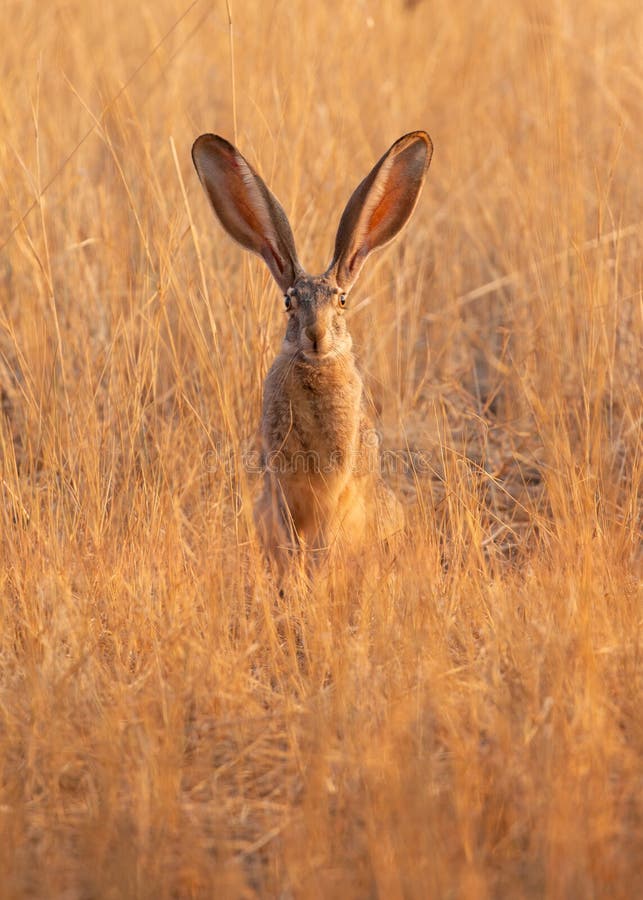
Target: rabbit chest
[(311, 419)]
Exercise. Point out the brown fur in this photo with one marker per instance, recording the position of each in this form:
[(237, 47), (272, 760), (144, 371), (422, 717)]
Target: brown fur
[(322, 486), (319, 465)]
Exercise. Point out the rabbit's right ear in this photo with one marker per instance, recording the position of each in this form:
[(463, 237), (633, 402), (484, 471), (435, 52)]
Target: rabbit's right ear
[(250, 214), (381, 205)]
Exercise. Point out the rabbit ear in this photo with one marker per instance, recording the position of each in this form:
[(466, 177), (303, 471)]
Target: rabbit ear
[(381, 205), (245, 207)]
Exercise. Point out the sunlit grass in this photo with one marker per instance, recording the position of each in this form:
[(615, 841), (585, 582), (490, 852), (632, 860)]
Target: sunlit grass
[(460, 719)]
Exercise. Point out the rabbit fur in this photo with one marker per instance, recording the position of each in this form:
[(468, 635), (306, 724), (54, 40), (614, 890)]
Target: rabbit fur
[(322, 485)]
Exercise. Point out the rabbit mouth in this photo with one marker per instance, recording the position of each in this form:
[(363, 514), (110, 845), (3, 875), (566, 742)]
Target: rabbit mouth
[(316, 356)]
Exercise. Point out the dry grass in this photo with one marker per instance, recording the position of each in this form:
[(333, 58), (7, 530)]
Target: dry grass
[(461, 722)]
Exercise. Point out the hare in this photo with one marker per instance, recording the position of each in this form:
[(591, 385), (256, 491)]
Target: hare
[(322, 485)]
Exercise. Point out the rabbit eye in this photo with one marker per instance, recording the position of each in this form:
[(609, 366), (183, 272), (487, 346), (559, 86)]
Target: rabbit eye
[(287, 302), (342, 299)]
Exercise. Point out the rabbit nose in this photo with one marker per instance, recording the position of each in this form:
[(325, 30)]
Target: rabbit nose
[(314, 334)]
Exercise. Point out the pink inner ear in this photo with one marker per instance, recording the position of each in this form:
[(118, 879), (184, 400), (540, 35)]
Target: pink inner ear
[(238, 194), (386, 208), (229, 153)]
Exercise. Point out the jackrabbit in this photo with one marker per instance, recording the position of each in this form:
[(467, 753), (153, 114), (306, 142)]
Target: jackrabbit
[(322, 484)]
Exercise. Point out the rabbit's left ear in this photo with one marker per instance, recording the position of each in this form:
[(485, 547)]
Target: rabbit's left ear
[(381, 205)]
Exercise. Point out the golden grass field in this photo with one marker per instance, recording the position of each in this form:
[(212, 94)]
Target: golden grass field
[(461, 720)]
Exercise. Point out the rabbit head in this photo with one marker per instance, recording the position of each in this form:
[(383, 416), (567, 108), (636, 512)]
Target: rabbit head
[(252, 216)]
